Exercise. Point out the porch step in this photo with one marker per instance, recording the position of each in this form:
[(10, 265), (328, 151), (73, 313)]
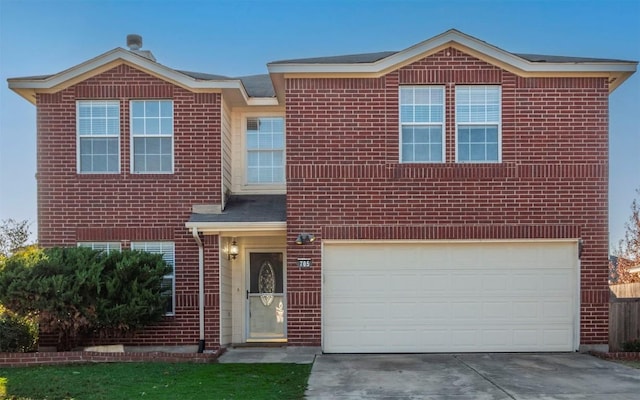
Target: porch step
[(271, 354), (257, 345)]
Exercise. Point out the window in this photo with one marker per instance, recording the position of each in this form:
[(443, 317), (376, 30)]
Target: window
[(265, 150), (105, 246), (152, 136), (478, 123), (422, 123), (168, 254), (98, 132)]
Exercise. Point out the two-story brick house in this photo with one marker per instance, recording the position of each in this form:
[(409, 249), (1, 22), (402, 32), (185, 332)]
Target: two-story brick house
[(451, 196)]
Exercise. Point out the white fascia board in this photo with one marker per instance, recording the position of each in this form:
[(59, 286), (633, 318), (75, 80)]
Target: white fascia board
[(216, 227), (462, 39), (125, 55), (263, 101)]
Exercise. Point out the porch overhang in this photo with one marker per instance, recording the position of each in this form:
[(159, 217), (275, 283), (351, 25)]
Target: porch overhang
[(251, 214), (213, 228)]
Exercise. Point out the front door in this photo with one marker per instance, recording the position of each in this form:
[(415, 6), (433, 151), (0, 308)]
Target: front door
[(266, 302)]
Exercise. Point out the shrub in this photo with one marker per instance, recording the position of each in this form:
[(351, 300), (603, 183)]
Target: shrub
[(17, 334), (75, 291), (632, 345)]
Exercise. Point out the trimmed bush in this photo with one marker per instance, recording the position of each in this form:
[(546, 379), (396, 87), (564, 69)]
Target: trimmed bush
[(631, 345), (17, 334), (77, 291)]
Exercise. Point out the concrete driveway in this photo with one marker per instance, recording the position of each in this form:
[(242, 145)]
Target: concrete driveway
[(471, 376)]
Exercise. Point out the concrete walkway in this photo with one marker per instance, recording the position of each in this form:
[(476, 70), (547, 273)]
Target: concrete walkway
[(561, 376), (255, 355)]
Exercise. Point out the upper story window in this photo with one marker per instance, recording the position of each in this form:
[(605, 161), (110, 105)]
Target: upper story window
[(167, 249), (98, 135), (104, 246), (265, 150), (422, 123), (152, 136), (478, 124)]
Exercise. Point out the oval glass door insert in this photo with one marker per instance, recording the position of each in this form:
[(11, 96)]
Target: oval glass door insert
[(266, 283)]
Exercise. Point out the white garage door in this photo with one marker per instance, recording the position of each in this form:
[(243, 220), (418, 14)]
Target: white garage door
[(449, 297)]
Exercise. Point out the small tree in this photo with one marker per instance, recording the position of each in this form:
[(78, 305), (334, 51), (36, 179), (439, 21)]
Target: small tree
[(76, 291), (13, 235), (628, 251)]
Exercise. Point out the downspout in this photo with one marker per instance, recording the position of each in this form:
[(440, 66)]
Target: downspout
[(196, 236)]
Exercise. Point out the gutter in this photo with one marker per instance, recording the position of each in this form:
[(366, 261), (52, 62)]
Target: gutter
[(196, 236)]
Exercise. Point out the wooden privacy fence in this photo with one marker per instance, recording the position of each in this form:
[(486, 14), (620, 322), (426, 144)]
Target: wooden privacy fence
[(624, 321)]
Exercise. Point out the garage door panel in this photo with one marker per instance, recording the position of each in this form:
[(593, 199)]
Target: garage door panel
[(556, 310), (434, 282), (404, 311), (466, 311), (404, 282), (433, 311), (496, 282), (556, 280), (464, 282), (428, 297), (497, 310), (526, 282), (526, 310), (556, 338)]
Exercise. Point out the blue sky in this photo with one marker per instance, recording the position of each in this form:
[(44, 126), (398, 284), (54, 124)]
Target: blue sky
[(240, 37)]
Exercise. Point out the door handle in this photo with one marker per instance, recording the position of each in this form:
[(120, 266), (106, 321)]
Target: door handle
[(247, 295)]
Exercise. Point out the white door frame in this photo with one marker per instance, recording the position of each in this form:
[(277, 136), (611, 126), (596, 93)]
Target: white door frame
[(246, 272)]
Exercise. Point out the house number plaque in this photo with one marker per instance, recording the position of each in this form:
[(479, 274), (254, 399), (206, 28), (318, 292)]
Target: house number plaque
[(304, 263)]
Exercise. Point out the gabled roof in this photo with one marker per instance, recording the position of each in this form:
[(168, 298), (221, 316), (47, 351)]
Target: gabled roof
[(257, 92), (345, 59), (377, 64), (262, 89)]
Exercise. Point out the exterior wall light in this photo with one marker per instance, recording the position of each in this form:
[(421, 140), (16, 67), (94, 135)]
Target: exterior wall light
[(305, 238), (232, 251)]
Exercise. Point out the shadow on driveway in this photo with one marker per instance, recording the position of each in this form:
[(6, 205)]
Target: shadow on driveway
[(545, 376)]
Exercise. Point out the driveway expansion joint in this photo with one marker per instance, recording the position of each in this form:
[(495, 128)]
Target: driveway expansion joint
[(484, 377)]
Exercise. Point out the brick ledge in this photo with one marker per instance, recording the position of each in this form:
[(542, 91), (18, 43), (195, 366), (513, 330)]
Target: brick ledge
[(84, 357)]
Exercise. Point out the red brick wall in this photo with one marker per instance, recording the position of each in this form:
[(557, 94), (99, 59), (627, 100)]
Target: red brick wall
[(344, 180), (87, 357), (129, 207)]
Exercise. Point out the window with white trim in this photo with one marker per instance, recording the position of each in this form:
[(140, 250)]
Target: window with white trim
[(167, 249), (478, 124), (152, 136), (265, 150), (98, 136), (104, 246), (421, 124)]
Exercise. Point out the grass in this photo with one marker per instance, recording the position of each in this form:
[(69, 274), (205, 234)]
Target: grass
[(634, 364), (155, 381)]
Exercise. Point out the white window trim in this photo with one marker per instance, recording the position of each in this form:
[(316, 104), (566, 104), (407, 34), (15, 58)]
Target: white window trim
[(78, 136), (499, 125), (106, 246), (132, 136), (442, 124), (247, 186), (172, 275)]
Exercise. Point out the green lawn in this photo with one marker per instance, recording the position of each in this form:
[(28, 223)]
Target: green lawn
[(155, 381), (634, 364)]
